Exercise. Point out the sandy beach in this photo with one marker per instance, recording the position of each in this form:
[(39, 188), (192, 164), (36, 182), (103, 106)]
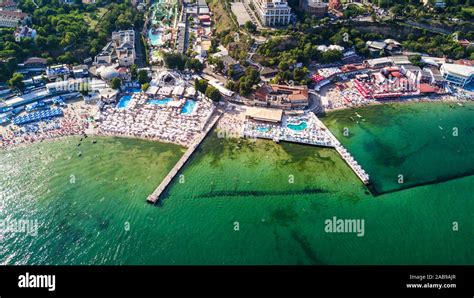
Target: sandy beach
[(75, 122)]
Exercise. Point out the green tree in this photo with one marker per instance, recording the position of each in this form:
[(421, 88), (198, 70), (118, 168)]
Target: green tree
[(250, 27), (175, 61), (416, 60), (213, 94), (143, 76), (134, 71), (145, 87), (115, 83), (283, 66), (245, 88), (194, 65), (200, 85), (16, 81), (219, 65)]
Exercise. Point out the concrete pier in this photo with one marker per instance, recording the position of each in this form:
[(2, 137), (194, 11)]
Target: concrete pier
[(358, 170), (154, 197), (346, 156)]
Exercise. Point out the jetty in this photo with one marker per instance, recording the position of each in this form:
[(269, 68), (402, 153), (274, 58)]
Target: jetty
[(358, 170), (155, 196), (346, 156)]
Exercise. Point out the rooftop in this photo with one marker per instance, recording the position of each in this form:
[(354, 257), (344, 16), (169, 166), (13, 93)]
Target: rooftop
[(264, 114), (459, 69), (12, 14)]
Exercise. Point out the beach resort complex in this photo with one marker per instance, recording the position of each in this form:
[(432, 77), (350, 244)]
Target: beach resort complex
[(226, 132)]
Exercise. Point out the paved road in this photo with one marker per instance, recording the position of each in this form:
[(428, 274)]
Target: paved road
[(140, 61), (314, 102), (208, 74)]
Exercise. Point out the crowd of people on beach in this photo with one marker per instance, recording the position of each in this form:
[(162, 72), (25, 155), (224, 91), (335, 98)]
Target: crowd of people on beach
[(70, 124), (165, 122), (343, 96), (232, 121)]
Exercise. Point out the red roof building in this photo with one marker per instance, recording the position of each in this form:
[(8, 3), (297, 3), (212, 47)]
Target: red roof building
[(465, 62), (426, 88), (335, 5)]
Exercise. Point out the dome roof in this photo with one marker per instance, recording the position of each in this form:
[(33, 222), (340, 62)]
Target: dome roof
[(109, 73)]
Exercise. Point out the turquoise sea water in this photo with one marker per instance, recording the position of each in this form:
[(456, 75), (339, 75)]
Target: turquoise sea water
[(406, 145), (279, 196)]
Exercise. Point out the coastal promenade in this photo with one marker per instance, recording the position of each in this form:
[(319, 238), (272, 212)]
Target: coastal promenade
[(155, 196)]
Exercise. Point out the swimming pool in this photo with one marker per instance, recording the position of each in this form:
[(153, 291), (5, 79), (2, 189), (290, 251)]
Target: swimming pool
[(155, 39), (189, 107), (298, 127), (133, 90), (262, 129), (124, 101), (159, 101)]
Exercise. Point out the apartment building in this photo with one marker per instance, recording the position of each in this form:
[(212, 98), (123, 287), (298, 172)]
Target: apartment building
[(121, 49), (316, 8), (273, 12), (8, 5), (12, 19), (456, 74), (282, 97)]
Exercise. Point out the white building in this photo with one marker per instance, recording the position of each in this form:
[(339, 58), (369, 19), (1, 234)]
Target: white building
[(24, 32), (436, 3), (125, 46), (8, 5), (121, 49), (58, 71), (457, 74), (273, 12), (13, 18)]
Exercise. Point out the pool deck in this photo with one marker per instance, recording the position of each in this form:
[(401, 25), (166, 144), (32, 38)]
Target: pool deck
[(155, 196), (326, 139)]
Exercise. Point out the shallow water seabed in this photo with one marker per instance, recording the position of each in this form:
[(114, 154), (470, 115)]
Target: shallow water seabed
[(279, 194), (407, 145)]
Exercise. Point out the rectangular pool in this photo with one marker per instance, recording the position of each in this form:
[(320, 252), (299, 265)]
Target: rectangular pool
[(159, 101)]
